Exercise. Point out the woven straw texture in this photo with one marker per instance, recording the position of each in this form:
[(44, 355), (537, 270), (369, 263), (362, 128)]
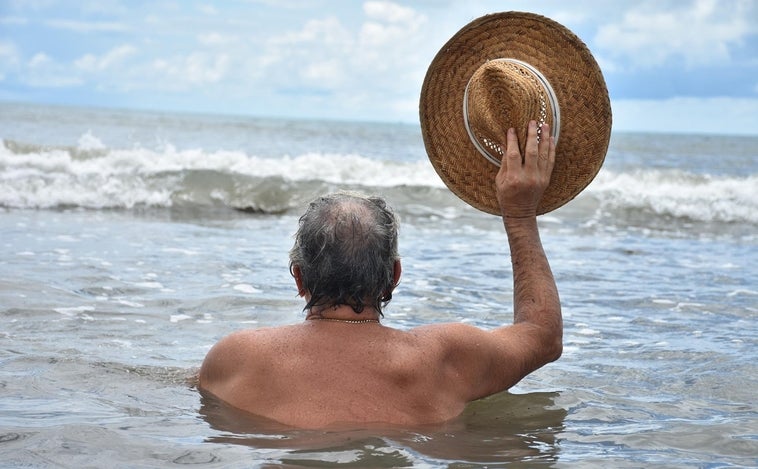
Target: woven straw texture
[(570, 69), (503, 95)]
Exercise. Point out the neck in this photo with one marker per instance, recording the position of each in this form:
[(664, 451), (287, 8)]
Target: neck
[(343, 313)]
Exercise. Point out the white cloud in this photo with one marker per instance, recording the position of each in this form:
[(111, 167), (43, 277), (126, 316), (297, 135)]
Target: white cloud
[(103, 7), (311, 56), (184, 72), (355, 60), (362, 62), (389, 12), (329, 72), (208, 9), (114, 57), (8, 52), (215, 39), (701, 32), (389, 23), (374, 33), (566, 17), (43, 71), (9, 59), (372, 63), (325, 31), (40, 59), (87, 26), (202, 69)]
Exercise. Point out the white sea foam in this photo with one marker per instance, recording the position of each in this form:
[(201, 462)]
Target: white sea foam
[(89, 142), (138, 176), (125, 178), (680, 194), (74, 310), (246, 288), (153, 285), (132, 304), (742, 292)]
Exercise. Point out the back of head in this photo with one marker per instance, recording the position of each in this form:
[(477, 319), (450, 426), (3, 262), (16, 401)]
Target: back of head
[(346, 248)]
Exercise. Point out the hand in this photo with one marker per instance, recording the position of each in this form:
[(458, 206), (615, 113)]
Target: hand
[(521, 182)]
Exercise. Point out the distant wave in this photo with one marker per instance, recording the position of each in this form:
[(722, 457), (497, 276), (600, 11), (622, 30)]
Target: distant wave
[(95, 177), (678, 194), (92, 176)]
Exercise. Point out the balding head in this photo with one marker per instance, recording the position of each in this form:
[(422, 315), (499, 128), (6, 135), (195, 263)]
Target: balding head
[(346, 248)]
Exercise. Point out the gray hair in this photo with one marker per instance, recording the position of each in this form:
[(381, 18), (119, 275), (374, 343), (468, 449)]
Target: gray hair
[(346, 248)]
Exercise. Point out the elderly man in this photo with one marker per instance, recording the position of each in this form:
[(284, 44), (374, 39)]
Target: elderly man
[(341, 366)]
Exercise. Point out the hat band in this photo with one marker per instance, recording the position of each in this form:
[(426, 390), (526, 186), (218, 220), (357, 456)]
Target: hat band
[(552, 98)]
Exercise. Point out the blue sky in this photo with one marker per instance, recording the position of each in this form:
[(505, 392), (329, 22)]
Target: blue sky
[(670, 65)]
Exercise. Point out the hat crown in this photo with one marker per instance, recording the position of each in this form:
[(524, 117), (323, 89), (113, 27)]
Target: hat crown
[(505, 93)]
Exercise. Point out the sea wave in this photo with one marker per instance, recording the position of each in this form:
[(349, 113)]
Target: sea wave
[(678, 194), (92, 176)]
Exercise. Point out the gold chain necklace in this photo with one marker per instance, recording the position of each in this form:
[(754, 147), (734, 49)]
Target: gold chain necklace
[(349, 321)]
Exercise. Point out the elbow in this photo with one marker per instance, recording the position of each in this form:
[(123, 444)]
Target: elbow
[(556, 349), (549, 347), (552, 345), (554, 340)]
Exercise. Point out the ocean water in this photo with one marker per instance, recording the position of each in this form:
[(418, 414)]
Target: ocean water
[(130, 242)]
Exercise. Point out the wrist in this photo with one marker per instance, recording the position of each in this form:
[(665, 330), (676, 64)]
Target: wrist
[(519, 218), (519, 224), (524, 216), (525, 211)]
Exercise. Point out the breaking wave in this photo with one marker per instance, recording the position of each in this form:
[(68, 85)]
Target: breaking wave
[(92, 176)]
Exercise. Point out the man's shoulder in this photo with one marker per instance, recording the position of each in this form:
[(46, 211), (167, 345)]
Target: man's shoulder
[(255, 338), (240, 351), (258, 343), (445, 332)]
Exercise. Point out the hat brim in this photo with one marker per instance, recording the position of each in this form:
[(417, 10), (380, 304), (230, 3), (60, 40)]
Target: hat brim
[(572, 71)]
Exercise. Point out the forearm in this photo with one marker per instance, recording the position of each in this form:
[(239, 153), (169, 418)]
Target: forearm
[(535, 295)]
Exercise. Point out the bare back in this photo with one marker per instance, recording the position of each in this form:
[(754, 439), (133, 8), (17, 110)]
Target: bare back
[(319, 373)]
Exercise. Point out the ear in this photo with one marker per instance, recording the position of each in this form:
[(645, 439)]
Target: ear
[(298, 276), (397, 272)]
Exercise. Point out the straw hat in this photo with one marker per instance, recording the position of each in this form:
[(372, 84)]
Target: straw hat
[(501, 71)]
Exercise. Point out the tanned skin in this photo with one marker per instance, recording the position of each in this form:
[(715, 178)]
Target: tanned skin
[(319, 373)]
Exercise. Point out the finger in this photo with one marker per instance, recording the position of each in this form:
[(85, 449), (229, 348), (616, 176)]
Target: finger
[(551, 156), (512, 156), (543, 148), (531, 150)]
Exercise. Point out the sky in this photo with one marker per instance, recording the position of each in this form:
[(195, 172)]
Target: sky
[(670, 65)]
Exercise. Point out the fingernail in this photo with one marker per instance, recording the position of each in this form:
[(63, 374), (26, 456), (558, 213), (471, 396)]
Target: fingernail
[(511, 131), (532, 123)]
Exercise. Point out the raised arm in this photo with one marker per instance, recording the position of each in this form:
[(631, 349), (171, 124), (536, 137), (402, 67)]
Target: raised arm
[(482, 362), (537, 309)]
